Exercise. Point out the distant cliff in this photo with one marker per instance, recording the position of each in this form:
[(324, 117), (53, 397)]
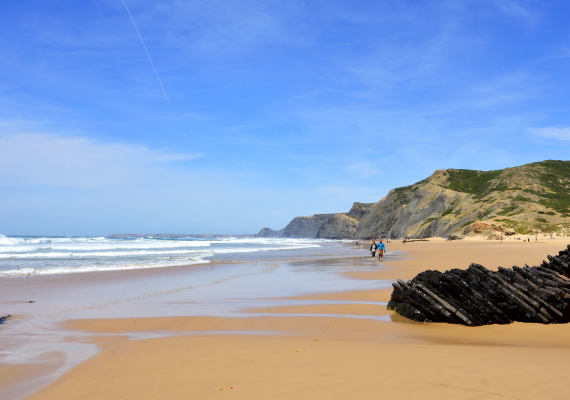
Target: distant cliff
[(299, 227), (528, 199), (341, 226), (269, 233)]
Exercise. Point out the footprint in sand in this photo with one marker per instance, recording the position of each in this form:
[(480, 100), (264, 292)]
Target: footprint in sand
[(228, 388), (318, 340), (299, 351), (338, 322), (270, 367)]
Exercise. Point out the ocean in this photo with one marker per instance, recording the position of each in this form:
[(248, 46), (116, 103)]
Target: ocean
[(32, 255)]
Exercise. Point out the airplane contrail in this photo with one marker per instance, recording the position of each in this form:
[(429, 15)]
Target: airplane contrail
[(155, 71)]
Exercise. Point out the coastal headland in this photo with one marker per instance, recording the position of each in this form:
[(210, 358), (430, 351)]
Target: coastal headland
[(531, 199), (328, 344)]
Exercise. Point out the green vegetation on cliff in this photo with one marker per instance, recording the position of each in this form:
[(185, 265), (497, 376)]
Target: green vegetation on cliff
[(528, 199), (556, 179), (478, 183)]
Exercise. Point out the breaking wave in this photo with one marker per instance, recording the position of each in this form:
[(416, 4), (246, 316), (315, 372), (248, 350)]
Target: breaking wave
[(25, 255)]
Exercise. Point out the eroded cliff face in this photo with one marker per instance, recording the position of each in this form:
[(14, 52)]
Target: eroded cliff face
[(358, 210), (529, 199), (526, 199), (341, 226), (306, 227), (299, 227), (413, 213)]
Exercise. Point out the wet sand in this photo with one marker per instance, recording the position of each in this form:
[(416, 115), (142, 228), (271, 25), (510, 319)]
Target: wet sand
[(328, 344)]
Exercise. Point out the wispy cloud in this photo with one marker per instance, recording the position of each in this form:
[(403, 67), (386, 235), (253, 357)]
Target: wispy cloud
[(44, 160), (552, 132), (515, 8)]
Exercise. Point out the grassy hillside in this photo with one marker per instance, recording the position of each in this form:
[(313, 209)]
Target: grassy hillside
[(533, 198)]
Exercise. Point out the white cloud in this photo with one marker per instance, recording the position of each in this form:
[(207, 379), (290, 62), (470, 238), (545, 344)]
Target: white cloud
[(40, 159), (553, 132)]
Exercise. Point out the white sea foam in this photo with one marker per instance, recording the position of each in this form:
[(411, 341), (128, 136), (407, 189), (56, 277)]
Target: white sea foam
[(101, 246), (142, 252), (58, 255), (98, 268)]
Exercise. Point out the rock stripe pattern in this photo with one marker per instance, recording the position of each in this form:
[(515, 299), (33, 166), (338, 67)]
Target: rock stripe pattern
[(477, 296)]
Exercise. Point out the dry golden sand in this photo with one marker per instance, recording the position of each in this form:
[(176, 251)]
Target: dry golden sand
[(333, 357)]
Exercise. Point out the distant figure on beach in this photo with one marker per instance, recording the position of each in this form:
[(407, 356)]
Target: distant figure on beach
[(356, 245), (373, 250), (381, 249), (389, 240), (362, 245)]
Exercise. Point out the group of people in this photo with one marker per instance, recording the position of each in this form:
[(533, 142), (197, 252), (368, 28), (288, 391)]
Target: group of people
[(374, 247), (380, 247)]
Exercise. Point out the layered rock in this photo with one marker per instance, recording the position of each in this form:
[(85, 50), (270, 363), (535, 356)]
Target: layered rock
[(420, 210), (478, 296), (306, 227), (359, 210), (341, 226), (527, 200), (301, 227)]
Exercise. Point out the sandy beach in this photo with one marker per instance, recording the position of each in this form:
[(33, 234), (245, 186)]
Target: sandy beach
[(321, 344)]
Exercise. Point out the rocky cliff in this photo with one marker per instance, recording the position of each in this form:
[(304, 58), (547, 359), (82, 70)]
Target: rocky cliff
[(358, 210), (299, 227), (530, 199), (306, 227), (341, 226)]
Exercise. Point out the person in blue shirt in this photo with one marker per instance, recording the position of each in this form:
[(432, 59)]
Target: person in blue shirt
[(381, 249)]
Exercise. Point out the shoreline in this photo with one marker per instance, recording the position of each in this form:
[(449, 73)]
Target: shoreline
[(172, 291), (318, 354)]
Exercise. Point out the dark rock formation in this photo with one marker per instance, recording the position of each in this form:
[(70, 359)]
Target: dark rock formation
[(306, 227), (454, 237), (340, 226), (3, 319), (269, 233), (477, 296)]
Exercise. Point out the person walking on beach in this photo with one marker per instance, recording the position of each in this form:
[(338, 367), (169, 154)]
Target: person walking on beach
[(373, 250), (362, 245), (381, 249), (356, 245)]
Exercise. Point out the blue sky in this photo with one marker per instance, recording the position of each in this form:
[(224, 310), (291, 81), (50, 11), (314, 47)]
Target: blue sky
[(289, 107)]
